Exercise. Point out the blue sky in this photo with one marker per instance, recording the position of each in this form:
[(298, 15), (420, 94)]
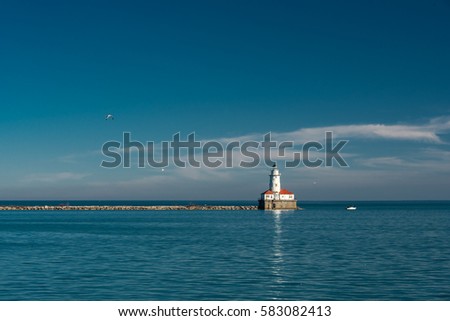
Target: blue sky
[(224, 69)]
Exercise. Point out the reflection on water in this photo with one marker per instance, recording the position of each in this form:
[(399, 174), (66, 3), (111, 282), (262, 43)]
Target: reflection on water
[(277, 266), (278, 262)]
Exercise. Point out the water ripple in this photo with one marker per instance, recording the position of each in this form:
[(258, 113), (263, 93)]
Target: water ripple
[(322, 254)]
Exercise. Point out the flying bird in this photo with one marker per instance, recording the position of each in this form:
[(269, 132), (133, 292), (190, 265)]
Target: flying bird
[(109, 117)]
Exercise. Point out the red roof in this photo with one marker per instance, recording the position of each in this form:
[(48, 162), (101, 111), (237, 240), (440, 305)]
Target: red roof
[(283, 191)]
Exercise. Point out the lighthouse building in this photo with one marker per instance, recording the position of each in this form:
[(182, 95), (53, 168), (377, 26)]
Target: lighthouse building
[(276, 197)]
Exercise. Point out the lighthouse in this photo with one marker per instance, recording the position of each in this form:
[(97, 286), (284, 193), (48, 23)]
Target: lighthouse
[(275, 180), (276, 197)]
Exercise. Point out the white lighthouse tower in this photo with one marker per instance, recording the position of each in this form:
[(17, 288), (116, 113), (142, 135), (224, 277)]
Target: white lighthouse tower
[(275, 180), (276, 197)]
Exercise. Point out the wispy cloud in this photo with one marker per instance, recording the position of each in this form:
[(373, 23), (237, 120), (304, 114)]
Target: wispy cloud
[(373, 173), (427, 132), (75, 158), (397, 132), (385, 162), (54, 177)]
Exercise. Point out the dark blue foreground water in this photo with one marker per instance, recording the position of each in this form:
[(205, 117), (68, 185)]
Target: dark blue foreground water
[(383, 251)]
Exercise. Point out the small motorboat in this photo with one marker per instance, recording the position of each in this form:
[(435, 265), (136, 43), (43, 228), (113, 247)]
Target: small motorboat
[(351, 208)]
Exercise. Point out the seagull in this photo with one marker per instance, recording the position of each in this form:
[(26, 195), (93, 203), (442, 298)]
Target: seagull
[(109, 117)]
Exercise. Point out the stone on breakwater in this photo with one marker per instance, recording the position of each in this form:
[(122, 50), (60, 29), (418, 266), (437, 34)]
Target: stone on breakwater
[(129, 208)]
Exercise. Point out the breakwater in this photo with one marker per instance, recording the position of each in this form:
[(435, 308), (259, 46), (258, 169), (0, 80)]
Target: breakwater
[(128, 208)]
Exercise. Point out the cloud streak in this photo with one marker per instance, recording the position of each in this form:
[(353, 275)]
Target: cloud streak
[(396, 132), (54, 177), (411, 172), (428, 132)]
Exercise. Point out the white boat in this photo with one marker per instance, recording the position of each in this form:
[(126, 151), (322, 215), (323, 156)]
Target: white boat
[(351, 208)]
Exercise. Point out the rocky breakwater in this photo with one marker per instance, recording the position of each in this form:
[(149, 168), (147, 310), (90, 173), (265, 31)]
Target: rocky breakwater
[(128, 208)]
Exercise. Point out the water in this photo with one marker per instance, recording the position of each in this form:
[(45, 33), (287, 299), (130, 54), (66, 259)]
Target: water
[(383, 251)]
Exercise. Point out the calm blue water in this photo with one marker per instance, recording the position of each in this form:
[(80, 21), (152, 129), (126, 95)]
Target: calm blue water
[(383, 251)]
